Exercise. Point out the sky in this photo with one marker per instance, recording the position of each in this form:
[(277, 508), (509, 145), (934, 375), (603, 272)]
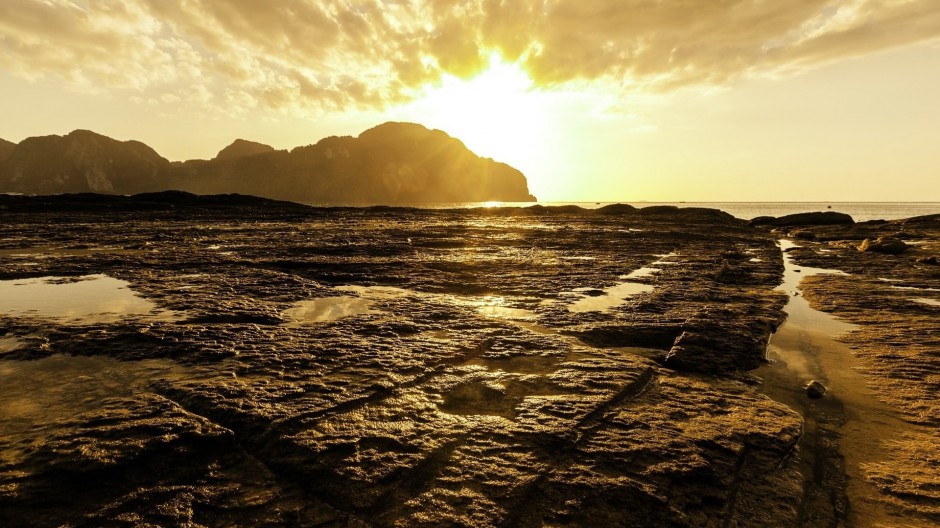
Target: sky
[(594, 100)]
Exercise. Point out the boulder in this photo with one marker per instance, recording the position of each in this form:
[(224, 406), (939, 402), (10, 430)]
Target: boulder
[(762, 220), (803, 234), (887, 245), (616, 209), (820, 218)]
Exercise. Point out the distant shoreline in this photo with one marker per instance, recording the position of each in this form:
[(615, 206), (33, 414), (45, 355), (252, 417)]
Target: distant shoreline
[(859, 211)]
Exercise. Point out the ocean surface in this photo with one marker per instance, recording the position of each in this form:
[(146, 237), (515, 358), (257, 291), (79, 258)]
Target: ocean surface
[(860, 211)]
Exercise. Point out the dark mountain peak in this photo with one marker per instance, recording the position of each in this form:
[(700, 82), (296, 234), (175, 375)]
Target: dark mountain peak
[(81, 161), (6, 148), (81, 133), (397, 129), (241, 148), (398, 132), (90, 137), (392, 163)]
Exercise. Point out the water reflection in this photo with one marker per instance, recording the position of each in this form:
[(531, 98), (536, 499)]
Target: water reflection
[(36, 392), (611, 297), (641, 273), (799, 313), (324, 309), (9, 344), (497, 309), (84, 300)]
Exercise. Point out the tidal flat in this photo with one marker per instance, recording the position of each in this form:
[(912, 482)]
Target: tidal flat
[(170, 360)]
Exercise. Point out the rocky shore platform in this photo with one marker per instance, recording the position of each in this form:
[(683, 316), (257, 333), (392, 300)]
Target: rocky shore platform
[(176, 360)]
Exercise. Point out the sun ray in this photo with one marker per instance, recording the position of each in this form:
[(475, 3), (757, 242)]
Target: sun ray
[(499, 113)]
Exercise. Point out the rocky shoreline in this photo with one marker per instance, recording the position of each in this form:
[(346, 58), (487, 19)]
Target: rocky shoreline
[(403, 367)]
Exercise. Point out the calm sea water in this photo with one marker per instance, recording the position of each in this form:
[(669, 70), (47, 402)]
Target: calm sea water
[(860, 211)]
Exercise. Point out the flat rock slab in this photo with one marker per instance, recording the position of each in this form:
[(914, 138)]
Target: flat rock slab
[(398, 367)]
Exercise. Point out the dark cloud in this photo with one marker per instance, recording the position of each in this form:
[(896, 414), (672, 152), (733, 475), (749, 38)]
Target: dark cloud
[(296, 54)]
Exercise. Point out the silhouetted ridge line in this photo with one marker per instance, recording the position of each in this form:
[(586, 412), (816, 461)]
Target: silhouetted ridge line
[(393, 163), (6, 148), (155, 201)]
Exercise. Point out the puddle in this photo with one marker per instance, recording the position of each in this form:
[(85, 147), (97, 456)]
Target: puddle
[(595, 300), (930, 302), (849, 421), (9, 344), (37, 394), (913, 288), (641, 273), (88, 299), (376, 292), (326, 309), (495, 306), (331, 308), (613, 296), (59, 386), (799, 313)]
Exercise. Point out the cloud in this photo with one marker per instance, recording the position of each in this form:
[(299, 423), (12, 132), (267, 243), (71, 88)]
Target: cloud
[(307, 55)]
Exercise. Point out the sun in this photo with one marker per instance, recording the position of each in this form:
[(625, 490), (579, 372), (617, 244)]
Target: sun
[(498, 114)]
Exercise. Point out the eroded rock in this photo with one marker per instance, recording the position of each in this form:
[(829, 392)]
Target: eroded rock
[(890, 246), (469, 392)]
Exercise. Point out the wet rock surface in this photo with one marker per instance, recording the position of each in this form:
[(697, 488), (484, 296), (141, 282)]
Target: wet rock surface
[(447, 381), (884, 419), (815, 390), (891, 246)]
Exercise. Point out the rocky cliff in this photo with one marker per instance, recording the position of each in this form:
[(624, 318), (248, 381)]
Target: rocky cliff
[(392, 163), (241, 148), (81, 161), (6, 147)]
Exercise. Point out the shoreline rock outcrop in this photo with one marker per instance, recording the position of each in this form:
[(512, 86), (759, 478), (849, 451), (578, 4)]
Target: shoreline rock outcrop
[(450, 379)]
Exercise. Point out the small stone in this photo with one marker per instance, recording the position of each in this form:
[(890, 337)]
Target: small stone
[(815, 389)]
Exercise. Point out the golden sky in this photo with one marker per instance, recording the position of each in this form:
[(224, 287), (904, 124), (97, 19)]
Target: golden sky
[(592, 99)]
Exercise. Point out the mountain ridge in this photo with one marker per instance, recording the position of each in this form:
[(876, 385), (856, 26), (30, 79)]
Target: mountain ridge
[(241, 148), (392, 163)]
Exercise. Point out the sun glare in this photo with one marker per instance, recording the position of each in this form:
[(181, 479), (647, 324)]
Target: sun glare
[(497, 114)]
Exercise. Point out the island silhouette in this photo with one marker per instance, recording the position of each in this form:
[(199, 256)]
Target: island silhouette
[(392, 163)]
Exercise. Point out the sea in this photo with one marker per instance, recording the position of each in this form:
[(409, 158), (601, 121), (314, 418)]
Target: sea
[(859, 211)]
